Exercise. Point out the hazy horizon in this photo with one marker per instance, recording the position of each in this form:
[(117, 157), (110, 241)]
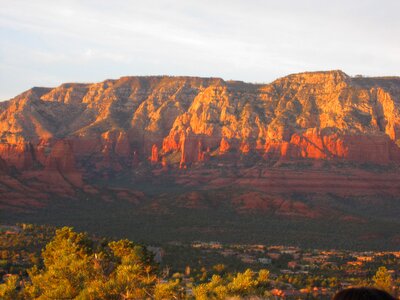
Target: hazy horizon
[(46, 43)]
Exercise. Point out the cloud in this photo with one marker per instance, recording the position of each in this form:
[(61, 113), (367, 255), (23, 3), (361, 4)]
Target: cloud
[(248, 40)]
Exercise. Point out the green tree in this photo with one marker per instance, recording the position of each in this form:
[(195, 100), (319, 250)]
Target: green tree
[(215, 289), (168, 290), (8, 290), (68, 267), (76, 267), (383, 279), (263, 276), (243, 284), (124, 273)]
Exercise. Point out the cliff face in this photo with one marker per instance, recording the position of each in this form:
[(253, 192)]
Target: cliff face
[(115, 123), (317, 146)]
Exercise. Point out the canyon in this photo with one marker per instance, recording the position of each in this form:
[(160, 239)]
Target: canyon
[(310, 146)]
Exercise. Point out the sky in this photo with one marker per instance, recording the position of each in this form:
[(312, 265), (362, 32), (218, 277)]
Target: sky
[(48, 42)]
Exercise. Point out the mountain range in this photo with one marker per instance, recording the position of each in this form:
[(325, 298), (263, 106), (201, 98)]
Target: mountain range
[(193, 157)]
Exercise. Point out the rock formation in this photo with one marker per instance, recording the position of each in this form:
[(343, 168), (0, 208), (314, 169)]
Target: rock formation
[(77, 131), (320, 115)]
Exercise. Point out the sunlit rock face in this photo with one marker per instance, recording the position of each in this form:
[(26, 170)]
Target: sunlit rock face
[(117, 124)]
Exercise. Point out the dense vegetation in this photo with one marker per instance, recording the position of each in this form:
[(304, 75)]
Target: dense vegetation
[(161, 221), (77, 266)]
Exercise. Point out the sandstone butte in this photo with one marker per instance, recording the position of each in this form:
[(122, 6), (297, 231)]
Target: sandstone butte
[(52, 139)]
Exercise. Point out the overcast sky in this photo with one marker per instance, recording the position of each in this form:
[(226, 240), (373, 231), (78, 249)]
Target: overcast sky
[(48, 42)]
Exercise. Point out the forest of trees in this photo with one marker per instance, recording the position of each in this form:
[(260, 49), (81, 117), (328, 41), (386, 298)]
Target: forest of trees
[(75, 266)]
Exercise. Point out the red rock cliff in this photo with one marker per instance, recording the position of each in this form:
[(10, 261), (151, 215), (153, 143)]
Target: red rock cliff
[(112, 124)]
